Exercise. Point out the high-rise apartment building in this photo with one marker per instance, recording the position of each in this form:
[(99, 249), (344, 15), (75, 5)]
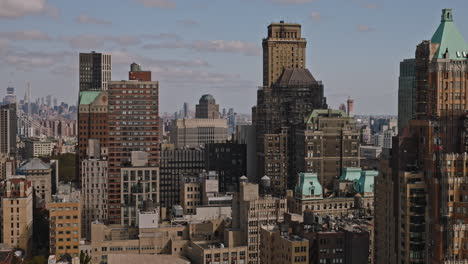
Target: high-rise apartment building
[(284, 48), (8, 127), (406, 93), (133, 126), (288, 95), (17, 213), (329, 143), (207, 107), (95, 71)]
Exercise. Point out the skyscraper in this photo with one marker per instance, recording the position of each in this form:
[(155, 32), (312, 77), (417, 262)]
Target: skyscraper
[(133, 126), (95, 71), (289, 94), (207, 107), (284, 48), (406, 93), (8, 128), (429, 160)]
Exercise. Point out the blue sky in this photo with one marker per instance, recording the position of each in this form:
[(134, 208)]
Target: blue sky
[(196, 47)]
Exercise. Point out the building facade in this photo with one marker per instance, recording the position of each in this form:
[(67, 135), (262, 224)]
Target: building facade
[(207, 108), (95, 71), (133, 126), (406, 93), (195, 133), (65, 227), (329, 143), (8, 127)]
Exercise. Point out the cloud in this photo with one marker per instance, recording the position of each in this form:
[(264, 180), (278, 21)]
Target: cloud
[(233, 46), (29, 60), (124, 58), (85, 19), (365, 28), (316, 16), (25, 35), (188, 23), (162, 36), (11, 9), (286, 2), (157, 3), (88, 41), (370, 6)]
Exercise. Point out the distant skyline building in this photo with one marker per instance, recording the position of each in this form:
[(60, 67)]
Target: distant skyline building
[(95, 71), (186, 110), (8, 129), (207, 108), (197, 132), (10, 97)]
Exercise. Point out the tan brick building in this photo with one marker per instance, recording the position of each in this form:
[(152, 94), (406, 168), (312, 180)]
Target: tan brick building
[(17, 213), (279, 247), (65, 227)]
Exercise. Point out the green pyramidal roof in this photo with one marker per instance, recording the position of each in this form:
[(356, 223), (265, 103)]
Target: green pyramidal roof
[(87, 97), (449, 39)]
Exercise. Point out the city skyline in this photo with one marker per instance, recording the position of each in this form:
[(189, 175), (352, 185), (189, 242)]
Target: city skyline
[(187, 51)]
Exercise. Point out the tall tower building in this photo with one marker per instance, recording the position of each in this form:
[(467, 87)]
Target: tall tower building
[(207, 107), (290, 93), (133, 126), (430, 159), (406, 93), (95, 71), (284, 48), (8, 129)]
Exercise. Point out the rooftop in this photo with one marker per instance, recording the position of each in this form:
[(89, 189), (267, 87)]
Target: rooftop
[(34, 164), (449, 38), (291, 77)]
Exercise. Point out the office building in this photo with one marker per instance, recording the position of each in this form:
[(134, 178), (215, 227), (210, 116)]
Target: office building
[(289, 93), (329, 143), (8, 127), (430, 158), (254, 208), (17, 213), (133, 126), (38, 147), (175, 164), (245, 134), (207, 108), (229, 160), (406, 93), (279, 246), (95, 71), (194, 133)]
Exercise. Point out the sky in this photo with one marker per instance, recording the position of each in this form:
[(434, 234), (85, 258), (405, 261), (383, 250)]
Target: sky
[(196, 47)]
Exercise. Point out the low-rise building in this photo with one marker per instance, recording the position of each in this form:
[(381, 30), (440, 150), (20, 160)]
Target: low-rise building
[(278, 246), (40, 175), (38, 147)]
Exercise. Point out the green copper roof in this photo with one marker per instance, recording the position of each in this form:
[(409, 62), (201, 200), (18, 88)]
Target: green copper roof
[(87, 97), (363, 180), (325, 113), (449, 39), (309, 185)]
